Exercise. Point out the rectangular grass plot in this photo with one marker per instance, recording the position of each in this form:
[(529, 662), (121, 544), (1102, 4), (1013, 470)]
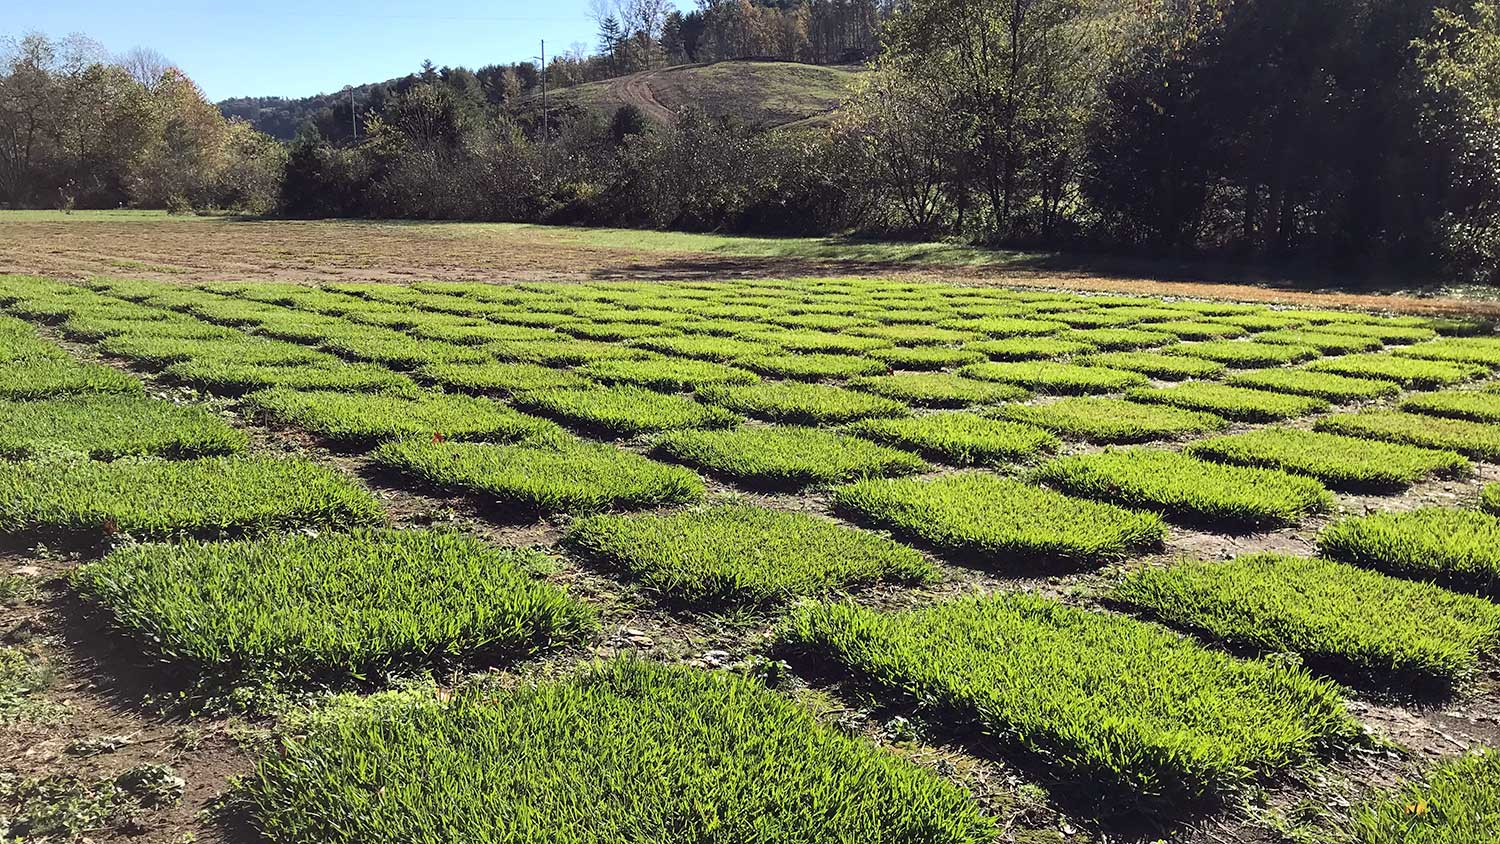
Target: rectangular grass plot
[(1459, 802), (1104, 420), (1475, 439), (356, 419), (1238, 403), (938, 389), (785, 457), (1243, 354), (810, 404), (1339, 461), (926, 358), (963, 439), (1055, 378), (106, 426), (227, 378), (502, 378), (1167, 367), (1323, 385), (812, 367), (41, 378), (1458, 404), (1408, 372), (623, 410), (1459, 548), (665, 373)]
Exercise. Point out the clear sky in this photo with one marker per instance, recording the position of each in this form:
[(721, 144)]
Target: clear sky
[(293, 49)]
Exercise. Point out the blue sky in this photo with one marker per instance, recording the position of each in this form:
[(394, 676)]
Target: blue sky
[(285, 48)]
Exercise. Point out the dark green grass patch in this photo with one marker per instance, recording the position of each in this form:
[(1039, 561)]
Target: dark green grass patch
[(785, 457), (504, 378), (703, 347), (1340, 618), (1119, 339), (360, 419), (1238, 403), (41, 378), (811, 404), (1102, 420), (962, 439), (233, 379), (812, 367), (1458, 404), (1055, 378), (938, 389), (1000, 521), (1408, 372), (1323, 385), (628, 751), (742, 554), (1328, 344), (1478, 350), (926, 357), (1191, 330), (1108, 700), (1337, 460), (1176, 484), (163, 498), (1460, 548), (553, 475), (1245, 353), (1386, 333), (107, 426), (1459, 803), (1167, 367), (1475, 439), (914, 335), (348, 606), (672, 374), (1029, 348), (1002, 326), (623, 410)]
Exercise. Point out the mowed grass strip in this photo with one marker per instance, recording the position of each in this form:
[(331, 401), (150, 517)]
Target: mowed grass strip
[(1475, 439), (1103, 420), (939, 389), (628, 751), (785, 457), (622, 410), (1346, 620), (205, 496), (107, 426), (1408, 372), (1055, 378), (359, 419), (502, 378), (1106, 700), (962, 439), (338, 606), (671, 374), (1244, 354), (1457, 404), (812, 367), (1238, 403), (810, 404), (1459, 548), (1339, 461), (550, 475), (743, 554), (1000, 521), (1323, 385), (1167, 367), (1232, 497), (1457, 803)]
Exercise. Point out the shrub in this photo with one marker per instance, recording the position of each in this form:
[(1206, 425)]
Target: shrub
[(1458, 404), (1459, 803), (1056, 378), (210, 495), (937, 389), (996, 520), (813, 367), (623, 410), (784, 457), (925, 357), (1112, 339), (106, 426), (1191, 330), (1459, 548), (1477, 350), (1475, 439), (671, 374), (703, 347), (1238, 403), (1112, 420), (357, 419), (1336, 460), (1245, 353), (1167, 367), (1173, 483), (547, 476), (959, 438), (1029, 348), (1323, 385), (1107, 699), (230, 378), (503, 378), (812, 404), (1335, 615), (1408, 372), (1328, 344), (349, 606), (736, 553), (1002, 326)]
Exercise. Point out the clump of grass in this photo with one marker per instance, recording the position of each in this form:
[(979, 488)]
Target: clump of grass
[(673, 374), (1475, 439), (1005, 326), (157, 352), (996, 520), (1029, 348), (811, 404), (926, 357), (703, 347), (480, 333), (1328, 344), (1323, 385), (613, 332), (1196, 330), (107, 426), (41, 378), (1235, 497), (359, 419), (1242, 354), (1119, 339), (1457, 404), (1459, 803), (1460, 548), (1105, 699), (785, 457), (503, 378), (1102, 420), (1337, 460), (1167, 367), (1269, 321), (938, 389), (1408, 372), (742, 554), (914, 335), (1490, 498), (962, 439), (1238, 403), (1477, 350), (232, 379), (346, 606), (561, 352), (1055, 378), (825, 342), (194, 497), (623, 410), (1335, 615), (813, 367), (553, 475)]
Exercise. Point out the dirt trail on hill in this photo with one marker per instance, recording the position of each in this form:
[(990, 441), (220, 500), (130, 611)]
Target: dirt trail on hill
[(635, 89)]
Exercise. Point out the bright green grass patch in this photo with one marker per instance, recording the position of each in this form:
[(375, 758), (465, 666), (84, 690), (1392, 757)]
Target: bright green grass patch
[(553, 475), (821, 322), (1459, 803), (628, 751), (614, 332), (1323, 385), (914, 335), (359, 419), (163, 498), (785, 457), (926, 357), (1190, 330), (1119, 339), (403, 352), (1002, 326), (1245, 353), (107, 426), (561, 352), (93, 329), (703, 347), (1490, 498), (1055, 378), (481, 333), (1408, 372), (962, 439), (1167, 367), (673, 374), (1386, 333), (1479, 350), (1029, 348), (503, 378), (1095, 319), (623, 410), (1102, 420), (229, 378), (1269, 321), (1460, 548), (1238, 403), (812, 367), (1345, 619), (41, 378), (158, 352), (355, 605), (1459, 404), (1337, 460), (938, 389), (1475, 439), (1214, 309), (824, 342), (742, 554), (1106, 699), (1328, 344), (997, 520), (811, 404), (1177, 484)]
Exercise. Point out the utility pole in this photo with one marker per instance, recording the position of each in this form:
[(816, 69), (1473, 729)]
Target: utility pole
[(353, 116), (546, 129)]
